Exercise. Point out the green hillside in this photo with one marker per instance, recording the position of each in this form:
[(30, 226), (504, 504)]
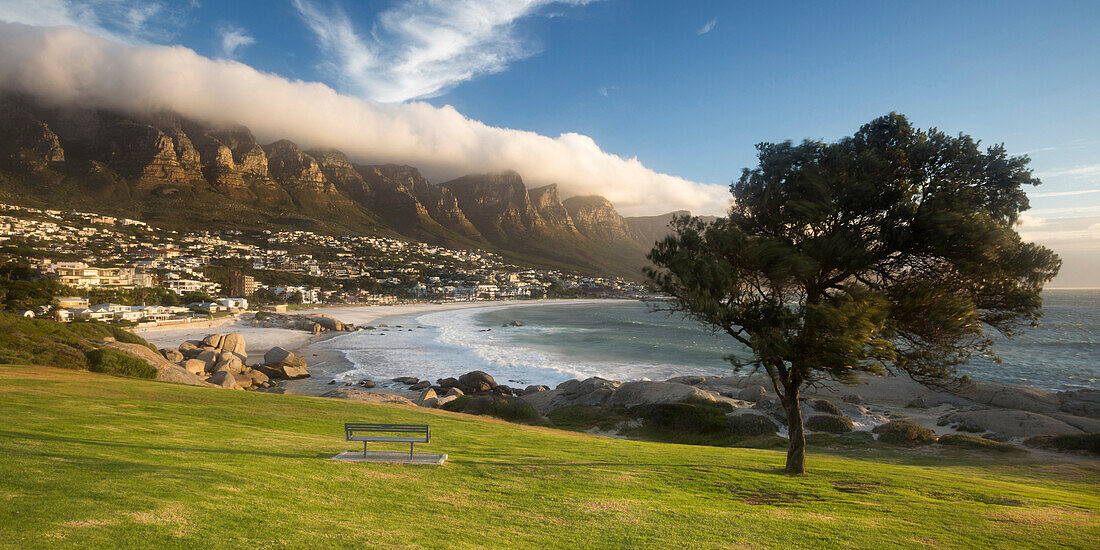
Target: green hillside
[(92, 461)]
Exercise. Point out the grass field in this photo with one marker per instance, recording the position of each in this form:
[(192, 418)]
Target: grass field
[(92, 461)]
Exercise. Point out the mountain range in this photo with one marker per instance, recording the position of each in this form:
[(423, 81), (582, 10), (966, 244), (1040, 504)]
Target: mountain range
[(183, 174)]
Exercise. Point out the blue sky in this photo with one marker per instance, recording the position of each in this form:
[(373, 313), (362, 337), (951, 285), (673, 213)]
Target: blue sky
[(643, 79)]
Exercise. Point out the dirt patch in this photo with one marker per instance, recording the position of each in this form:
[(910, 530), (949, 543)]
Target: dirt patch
[(87, 523)]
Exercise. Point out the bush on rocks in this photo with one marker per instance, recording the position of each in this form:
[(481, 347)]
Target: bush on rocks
[(506, 408), (751, 424), (974, 442), (831, 423), (857, 439), (903, 432), (684, 418), (821, 405), (587, 417), (1089, 443), (109, 361)]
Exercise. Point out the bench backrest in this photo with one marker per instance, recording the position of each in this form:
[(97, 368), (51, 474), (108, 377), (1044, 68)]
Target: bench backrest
[(421, 429)]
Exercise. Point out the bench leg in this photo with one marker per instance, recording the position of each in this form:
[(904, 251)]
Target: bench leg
[(410, 450), (364, 450)]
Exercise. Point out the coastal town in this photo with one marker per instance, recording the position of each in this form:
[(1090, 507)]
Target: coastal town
[(103, 268)]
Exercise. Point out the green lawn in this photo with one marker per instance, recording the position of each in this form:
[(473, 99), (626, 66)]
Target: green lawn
[(92, 461)]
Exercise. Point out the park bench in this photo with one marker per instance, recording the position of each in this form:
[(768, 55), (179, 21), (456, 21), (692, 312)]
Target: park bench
[(397, 433)]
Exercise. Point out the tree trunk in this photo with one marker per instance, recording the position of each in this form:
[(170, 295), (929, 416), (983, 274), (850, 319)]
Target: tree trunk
[(796, 451)]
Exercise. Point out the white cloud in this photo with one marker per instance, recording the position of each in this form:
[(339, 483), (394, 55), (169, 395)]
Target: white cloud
[(709, 26), (127, 21), (1063, 193), (1087, 171), (68, 66), (422, 48), (232, 39)]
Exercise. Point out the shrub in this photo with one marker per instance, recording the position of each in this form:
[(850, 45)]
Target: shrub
[(821, 405), (1089, 443), (832, 423), (586, 417), (751, 424), (974, 442), (505, 408), (109, 361), (684, 418), (903, 432)]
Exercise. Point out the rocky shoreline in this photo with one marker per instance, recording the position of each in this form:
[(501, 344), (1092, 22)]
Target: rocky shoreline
[(993, 411)]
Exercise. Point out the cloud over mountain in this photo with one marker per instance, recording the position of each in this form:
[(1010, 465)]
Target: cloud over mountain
[(69, 66)]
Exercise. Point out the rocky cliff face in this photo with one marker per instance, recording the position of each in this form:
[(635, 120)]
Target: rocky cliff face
[(498, 205), (140, 164), (341, 174), (596, 218), (547, 203), (288, 165), (26, 142)]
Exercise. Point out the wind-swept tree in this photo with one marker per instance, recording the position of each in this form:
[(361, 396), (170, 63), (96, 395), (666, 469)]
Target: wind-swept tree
[(892, 251)]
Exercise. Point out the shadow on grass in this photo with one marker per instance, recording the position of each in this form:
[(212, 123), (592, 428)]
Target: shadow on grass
[(117, 445)]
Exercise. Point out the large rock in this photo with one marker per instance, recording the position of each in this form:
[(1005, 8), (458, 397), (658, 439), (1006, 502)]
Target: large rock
[(1011, 396), (690, 380), (194, 366), (597, 392), (1080, 403), (209, 357), (291, 365), (258, 377), (476, 381), (328, 322), (1011, 424), (172, 355), (632, 394), (224, 379), (229, 362), (234, 343), (213, 340)]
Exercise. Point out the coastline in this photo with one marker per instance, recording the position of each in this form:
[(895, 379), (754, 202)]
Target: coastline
[(324, 364)]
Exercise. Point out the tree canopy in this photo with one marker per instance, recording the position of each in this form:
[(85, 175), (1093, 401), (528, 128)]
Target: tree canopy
[(892, 251)]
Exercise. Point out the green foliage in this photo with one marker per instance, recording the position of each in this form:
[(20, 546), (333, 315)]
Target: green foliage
[(821, 405), (889, 250), (978, 443), (751, 424), (1089, 443), (861, 440), (42, 342), (114, 362), (905, 433), (832, 423), (507, 408), (21, 289), (693, 423), (587, 417)]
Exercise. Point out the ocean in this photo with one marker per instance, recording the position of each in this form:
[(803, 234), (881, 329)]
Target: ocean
[(627, 340)]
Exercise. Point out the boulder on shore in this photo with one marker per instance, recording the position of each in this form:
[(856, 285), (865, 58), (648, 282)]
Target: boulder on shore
[(172, 355), (1010, 424), (476, 382), (234, 343), (290, 364)]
